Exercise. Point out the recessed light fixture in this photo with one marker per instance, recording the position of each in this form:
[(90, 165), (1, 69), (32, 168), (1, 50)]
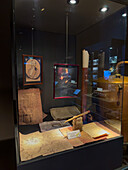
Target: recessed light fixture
[(110, 48), (104, 9), (72, 2), (124, 14)]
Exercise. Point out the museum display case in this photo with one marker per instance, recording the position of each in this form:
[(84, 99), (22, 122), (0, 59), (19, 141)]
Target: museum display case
[(71, 81)]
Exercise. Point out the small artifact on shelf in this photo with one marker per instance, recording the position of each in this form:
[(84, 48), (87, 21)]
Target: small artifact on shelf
[(77, 124), (49, 125), (94, 130), (77, 121)]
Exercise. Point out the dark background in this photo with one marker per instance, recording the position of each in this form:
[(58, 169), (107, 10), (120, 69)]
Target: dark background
[(7, 137), (52, 47)]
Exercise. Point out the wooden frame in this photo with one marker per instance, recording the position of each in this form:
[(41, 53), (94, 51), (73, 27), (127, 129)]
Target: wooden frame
[(32, 69), (60, 89)]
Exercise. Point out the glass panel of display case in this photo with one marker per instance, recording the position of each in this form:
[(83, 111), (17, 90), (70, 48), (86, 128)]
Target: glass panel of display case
[(95, 62), (95, 69), (49, 122), (113, 59), (95, 77)]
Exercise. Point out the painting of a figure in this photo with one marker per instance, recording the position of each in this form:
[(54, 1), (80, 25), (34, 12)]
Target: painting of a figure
[(65, 80)]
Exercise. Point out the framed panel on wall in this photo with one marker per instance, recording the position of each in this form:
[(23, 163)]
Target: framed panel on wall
[(65, 81), (32, 69)]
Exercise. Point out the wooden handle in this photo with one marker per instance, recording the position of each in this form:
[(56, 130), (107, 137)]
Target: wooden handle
[(82, 114)]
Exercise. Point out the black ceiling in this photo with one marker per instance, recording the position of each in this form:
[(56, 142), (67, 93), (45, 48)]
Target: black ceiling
[(125, 2), (52, 19)]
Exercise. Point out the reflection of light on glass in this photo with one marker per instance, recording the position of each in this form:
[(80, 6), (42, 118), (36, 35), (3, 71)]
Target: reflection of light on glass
[(111, 69), (99, 89), (42, 9), (72, 81), (95, 68), (66, 70), (124, 15), (56, 82), (28, 63), (95, 62), (102, 132), (94, 84), (95, 77), (113, 59), (32, 141), (110, 48), (61, 77), (66, 81)]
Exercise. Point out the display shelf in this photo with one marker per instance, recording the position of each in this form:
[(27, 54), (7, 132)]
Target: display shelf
[(99, 98), (98, 155)]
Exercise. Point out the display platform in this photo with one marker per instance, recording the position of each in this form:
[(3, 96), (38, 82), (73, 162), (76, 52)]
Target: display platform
[(105, 154), (101, 146), (53, 141)]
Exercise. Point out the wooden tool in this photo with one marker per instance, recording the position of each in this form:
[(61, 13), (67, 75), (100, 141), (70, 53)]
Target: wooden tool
[(75, 117)]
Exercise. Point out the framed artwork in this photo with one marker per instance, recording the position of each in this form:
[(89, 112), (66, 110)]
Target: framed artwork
[(32, 69), (65, 81)]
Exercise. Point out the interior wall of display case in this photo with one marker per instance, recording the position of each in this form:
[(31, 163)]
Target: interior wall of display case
[(108, 37), (100, 39), (51, 46)]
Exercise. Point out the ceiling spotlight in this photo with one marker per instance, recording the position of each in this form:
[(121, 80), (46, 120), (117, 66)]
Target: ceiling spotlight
[(104, 9), (124, 15), (42, 9), (72, 2), (110, 48)]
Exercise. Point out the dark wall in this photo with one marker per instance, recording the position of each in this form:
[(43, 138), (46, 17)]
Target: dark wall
[(52, 47), (6, 102), (113, 27), (101, 34), (7, 140)]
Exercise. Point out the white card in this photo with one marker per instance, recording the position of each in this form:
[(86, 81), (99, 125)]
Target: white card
[(74, 134)]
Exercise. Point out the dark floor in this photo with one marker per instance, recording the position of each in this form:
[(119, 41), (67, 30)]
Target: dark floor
[(125, 158)]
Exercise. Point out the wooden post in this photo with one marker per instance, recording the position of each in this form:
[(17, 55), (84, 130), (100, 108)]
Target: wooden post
[(85, 59)]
